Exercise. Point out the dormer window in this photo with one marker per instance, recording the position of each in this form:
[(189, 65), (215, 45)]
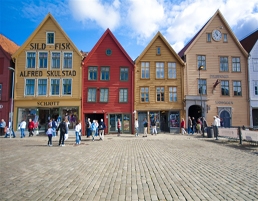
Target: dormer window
[(50, 38)]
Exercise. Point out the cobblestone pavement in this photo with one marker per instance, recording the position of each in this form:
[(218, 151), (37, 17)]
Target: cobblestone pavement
[(162, 167)]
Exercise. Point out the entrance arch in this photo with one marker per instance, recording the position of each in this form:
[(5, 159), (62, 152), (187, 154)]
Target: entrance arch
[(225, 117), (195, 111)]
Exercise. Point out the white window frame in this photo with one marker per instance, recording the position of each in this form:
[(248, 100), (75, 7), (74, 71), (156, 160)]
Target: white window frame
[(63, 86), (47, 37), (42, 78), (50, 87), (63, 63), (27, 59), (105, 89), (90, 101), (25, 87), (39, 61), (172, 69), (255, 85), (172, 90), (52, 60)]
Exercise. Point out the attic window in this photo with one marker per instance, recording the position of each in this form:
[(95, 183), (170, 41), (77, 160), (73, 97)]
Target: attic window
[(158, 51), (208, 37), (50, 36), (225, 38), (108, 52)]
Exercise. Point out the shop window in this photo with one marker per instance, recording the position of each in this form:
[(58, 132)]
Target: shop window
[(126, 123), (91, 95), (145, 70), (160, 70), (104, 73), (55, 60), (160, 94), (42, 87), (172, 94), (68, 60), (174, 119), (67, 86), (31, 59), (50, 38), (103, 95), (124, 74), (123, 95), (154, 116), (171, 70), (113, 122), (237, 89), (55, 86), (92, 73), (145, 94), (29, 87)]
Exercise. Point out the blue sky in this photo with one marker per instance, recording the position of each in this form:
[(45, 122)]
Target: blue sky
[(133, 22)]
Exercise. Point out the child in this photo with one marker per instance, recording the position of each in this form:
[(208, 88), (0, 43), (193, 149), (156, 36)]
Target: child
[(49, 134)]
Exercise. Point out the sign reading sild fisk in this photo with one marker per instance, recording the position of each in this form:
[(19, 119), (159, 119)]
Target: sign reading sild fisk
[(50, 73), (42, 46)]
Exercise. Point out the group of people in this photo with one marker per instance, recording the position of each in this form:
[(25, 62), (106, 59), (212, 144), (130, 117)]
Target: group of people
[(193, 125), (96, 128), (145, 127)]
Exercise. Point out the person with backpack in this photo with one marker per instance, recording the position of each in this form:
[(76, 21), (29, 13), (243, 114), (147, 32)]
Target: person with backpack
[(63, 130), (154, 127), (102, 126), (54, 127)]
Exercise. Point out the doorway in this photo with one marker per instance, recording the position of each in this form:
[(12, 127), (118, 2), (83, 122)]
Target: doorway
[(225, 119), (194, 111)]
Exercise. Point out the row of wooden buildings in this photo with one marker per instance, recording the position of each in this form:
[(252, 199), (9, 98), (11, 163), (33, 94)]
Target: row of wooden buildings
[(208, 77)]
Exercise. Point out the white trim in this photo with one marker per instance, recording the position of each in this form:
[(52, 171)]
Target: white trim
[(47, 38), (47, 60), (64, 58), (50, 87), (26, 63), (51, 64), (37, 91), (62, 91), (25, 86)]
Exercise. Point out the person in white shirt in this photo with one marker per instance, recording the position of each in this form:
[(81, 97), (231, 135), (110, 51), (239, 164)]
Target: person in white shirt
[(77, 132), (49, 134), (216, 124), (136, 126), (22, 128)]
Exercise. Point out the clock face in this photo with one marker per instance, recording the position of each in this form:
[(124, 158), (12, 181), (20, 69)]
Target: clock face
[(216, 35)]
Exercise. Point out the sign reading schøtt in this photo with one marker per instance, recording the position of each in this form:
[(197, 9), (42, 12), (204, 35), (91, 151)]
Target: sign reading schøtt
[(48, 103)]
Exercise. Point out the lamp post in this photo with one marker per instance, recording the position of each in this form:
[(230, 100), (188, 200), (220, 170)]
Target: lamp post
[(200, 91), (11, 130)]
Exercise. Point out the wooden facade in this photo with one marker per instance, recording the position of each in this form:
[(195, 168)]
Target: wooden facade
[(223, 80), (47, 76), (107, 76), (159, 86)]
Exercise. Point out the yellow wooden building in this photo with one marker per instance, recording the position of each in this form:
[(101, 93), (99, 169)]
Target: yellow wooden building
[(216, 81), (47, 77), (159, 86)]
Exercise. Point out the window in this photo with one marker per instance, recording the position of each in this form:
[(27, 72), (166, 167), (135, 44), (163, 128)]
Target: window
[(104, 73), (42, 87), (67, 86), (158, 51), (225, 38), (43, 59), (172, 94), (256, 87), (145, 70), (208, 37), (224, 87), (237, 88), (171, 70), (50, 38), (92, 73), (0, 91), (31, 59), (91, 95), (223, 63), (123, 94), (103, 95), (160, 94), (201, 61), (144, 94), (160, 70), (124, 74), (55, 60), (30, 87), (236, 64), (68, 60), (108, 52), (255, 64), (202, 86), (55, 86)]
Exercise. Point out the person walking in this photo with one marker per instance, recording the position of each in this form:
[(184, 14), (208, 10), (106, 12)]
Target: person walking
[(215, 125), (2, 127), (199, 126), (63, 130), (154, 127), (54, 127), (31, 127), (77, 133), (193, 125), (145, 126), (183, 126), (88, 128), (49, 134), (22, 128), (190, 125), (93, 129), (136, 126), (102, 127), (118, 127)]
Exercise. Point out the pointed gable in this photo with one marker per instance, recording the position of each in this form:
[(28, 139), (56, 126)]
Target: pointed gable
[(249, 41), (7, 46)]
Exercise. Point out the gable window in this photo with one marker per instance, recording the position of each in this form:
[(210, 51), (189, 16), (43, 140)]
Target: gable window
[(42, 87), (256, 87), (43, 59), (202, 86), (224, 64), (55, 87), (124, 74), (30, 87), (31, 60), (160, 70), (236, 64), (0, 91), (201, 61), (92, 73), (50, 38), (55, 60), (172, 94), (68, 60), (123, 94), (160, 94), (91, 95), (145, 70), (237, 88), (224, 87), (104, 73), (255, 64), (144, 94), (103, 95), (67, 86), (171, 70), (225, 38), (158, 51), (208, 37)]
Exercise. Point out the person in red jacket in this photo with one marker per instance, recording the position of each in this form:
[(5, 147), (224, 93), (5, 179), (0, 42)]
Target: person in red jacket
[(30, 127), (183, 126)]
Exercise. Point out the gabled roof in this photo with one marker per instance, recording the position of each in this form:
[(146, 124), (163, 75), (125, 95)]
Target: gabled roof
[(8, 46), (107, 32), (159, 35), (49, 16), (202, 30), (249, 41)]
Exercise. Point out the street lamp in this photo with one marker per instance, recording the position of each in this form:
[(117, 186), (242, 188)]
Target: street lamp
[(200, 91), (11, 130)]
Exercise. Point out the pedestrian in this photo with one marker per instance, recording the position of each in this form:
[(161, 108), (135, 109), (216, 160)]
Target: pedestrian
[(22, 128), (190, 125), (7, 132), (136, 126), (183, 126), (194, 125), (49, 134), (102, 127), (2, 127), (93, 130), (63, 130), (118, 127), (204, 124), (88, 128), (54, 127), (80, 132), (199, 126), (31, 127), (218, 120), (77, 133), (145, 126), (97, 128), (215, 127), (153, 126)]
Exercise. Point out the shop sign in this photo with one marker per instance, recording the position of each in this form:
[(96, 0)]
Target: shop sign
[(50, 73), (219, 76), (48, 103), (42, 46), (224, 102)]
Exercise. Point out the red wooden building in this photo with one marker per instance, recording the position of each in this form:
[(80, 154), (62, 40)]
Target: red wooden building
[(108, 87)]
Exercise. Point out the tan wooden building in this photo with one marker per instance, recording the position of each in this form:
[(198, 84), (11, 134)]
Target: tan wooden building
[(159, 86), (221, 87), (47, 76)]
